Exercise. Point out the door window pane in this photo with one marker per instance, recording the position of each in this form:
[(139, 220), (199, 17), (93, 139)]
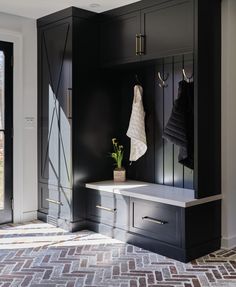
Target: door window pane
[(1, 170), (2, 89), (2, 92)]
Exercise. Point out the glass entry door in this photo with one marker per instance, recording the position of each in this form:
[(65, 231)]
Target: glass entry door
[(6, 131)]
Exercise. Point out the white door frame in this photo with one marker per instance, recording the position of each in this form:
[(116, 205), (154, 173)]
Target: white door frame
[(18, 171)]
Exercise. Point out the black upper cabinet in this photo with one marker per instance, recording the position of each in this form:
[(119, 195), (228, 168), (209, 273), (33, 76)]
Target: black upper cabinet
[(151, 31), (168, 29), (118, 38)]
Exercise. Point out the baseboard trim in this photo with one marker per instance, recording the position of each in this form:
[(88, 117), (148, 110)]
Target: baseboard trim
[(62, 223), (29, 216), (228, 242), (162, 248)]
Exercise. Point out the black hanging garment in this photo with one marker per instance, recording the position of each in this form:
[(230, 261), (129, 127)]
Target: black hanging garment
[(180, 126)]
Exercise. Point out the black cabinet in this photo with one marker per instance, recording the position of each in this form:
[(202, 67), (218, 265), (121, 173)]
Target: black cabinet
[(118, 38), (182, 233), (55, 201), (60, 106), (156, 220), (157, 31), (55, 102), (83, 106), (168, 29), (108, 208)]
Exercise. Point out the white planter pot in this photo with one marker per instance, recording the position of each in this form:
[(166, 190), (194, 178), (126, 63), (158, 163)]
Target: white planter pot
[(119, 175)]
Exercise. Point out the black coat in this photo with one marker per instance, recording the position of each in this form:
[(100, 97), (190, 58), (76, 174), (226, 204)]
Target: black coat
[(180, 126)]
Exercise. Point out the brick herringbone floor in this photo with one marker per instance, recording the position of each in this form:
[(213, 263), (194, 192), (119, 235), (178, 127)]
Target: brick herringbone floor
[(38, 254)]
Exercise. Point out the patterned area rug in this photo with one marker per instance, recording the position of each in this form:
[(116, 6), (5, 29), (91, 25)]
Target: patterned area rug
[(38, 254)]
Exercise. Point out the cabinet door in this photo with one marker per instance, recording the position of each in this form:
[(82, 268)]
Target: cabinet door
[(168, 29), (55, 98), (55, 201), (118, 39)]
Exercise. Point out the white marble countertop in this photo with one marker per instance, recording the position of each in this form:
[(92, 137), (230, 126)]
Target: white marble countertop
[(154, 192)]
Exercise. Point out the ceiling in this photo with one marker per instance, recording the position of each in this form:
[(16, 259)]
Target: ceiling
[(39, 8)]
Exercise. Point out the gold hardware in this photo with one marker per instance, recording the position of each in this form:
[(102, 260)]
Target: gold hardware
[(149, 219), (141, 45), (54, 201), (106, 208)]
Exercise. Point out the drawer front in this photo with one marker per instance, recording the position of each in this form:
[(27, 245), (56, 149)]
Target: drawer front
[(108, 208), (55, 201), (156, 220)]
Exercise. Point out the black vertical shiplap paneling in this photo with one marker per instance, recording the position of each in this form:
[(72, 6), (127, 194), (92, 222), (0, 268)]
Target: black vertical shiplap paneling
[(188, 65), (148, 101), (168, 103), (177, 77), (160, 162), (158, 129), (168, 170)]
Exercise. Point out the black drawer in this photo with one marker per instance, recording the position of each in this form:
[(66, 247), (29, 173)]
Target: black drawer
[(156, 220), (108, 208), (55, 201)]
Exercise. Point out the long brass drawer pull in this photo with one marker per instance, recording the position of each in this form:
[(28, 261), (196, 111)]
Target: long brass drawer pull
[(106, 208), (54, 201), (153, 220)]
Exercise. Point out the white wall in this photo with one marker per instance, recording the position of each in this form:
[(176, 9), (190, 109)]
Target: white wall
[(22, 32), (229, 122)]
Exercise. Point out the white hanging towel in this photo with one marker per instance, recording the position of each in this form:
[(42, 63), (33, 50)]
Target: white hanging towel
[(136, 131)]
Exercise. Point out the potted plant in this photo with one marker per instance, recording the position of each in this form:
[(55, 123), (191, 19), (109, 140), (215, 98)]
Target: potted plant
[(119, 174)]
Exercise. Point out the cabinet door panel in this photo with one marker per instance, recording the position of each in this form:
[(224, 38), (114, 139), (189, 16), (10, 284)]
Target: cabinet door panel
[(156, 220), (55, 201), (168, 29), (108, 208), (118, 39), (55, 105)]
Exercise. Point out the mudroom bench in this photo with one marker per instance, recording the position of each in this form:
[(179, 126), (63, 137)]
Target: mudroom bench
[(163, 219)]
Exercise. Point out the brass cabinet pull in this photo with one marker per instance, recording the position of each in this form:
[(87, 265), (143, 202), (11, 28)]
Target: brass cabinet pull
[(141, 44), (106, 208), (140, 47), (153, 220), (54, 201)]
